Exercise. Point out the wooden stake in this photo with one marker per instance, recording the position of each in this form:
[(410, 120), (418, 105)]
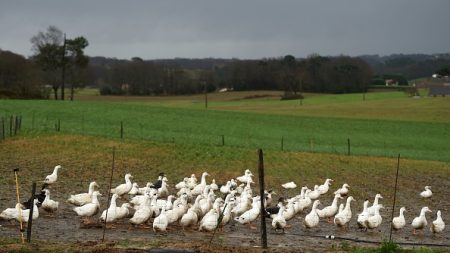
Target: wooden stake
[(109, 191), (30, 217), (261, 193), (18, 201), (395, 196)]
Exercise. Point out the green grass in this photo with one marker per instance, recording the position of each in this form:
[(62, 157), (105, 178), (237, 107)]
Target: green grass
[(150, 121)]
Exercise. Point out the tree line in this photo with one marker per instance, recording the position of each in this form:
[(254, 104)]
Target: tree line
[(59, 63)]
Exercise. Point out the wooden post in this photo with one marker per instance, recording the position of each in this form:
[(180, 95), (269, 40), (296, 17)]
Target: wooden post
[(395, 196), (348, 144), (10, 126), (30, 218), (223, 140), (18, 201), (59, 125), (3, 128), (16, 125), (121, 129), (109, 190), (282, 143), (63, 76), (32, 122), (261, 193)]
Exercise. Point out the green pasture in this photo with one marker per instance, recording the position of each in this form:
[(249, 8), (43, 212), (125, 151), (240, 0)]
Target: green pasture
[(183, 120)]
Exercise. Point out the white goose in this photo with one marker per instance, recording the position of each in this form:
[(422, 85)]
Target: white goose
[(48, 204), (290, 210), (330, 211), (278, 221), (163, 191), (230, 202), (427, 193), (166, 204), (343, 190), (11, 212), (89, 209), (111, 210), (399, 221), (83, 198), (438, 225), (182, 184), (226, 188), (161, 222), (375, 220), (421, 221), (50, 179), (342, 218), (123, 188), (198, 189), (146, 188), (312, 218), (192, 181), (325, 187), (249, 216), (375, 203), (362, 217)]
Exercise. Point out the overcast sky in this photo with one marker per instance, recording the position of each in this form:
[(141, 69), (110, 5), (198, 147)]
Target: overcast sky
[(233, 28)]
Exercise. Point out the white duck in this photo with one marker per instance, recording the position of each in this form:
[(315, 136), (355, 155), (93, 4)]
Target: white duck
[(50, 179), (192, 181), (83, 198), (312, 218), (438, 225), (330, 211), (249, 216), (289, 185), (342, 218), (182, 184), (278, 221), (226, 188), (48, 204), (161, 222), (209, 221), (123, 188), (421, 221), (289, 211), (191, 216), (18, 213), (146, 188), (198, 189), (427, 193), (399, 221), (375, 203), (315, 194), (167, 204), (134, 189), (303, 202), (375, 220), (123, 211), (325, 187), (230, 202), (362, 217), (343, 190), (111, 210), (247, 177), (163, 191), (89, 209), (143, 213), (214, 186)]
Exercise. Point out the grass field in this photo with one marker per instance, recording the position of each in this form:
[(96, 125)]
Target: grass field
[(322, 124)]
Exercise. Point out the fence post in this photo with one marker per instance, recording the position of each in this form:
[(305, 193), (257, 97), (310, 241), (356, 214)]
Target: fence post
[(121, 129), (263, 196), (395, 196), (282, 143), (16, 124), (32, 122), (59, 125), (10, 126), (223, 140), (348, 144), (30, 218), (3, 128)]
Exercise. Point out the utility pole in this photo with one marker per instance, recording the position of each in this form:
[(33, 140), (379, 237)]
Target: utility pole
[(63, 68)]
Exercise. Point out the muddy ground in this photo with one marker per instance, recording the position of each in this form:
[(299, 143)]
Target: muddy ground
[(65, 226)]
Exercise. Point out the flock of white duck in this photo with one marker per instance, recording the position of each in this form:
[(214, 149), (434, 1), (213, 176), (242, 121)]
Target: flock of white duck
[(196, 204)]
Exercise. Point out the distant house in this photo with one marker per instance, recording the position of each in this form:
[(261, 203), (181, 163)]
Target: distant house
[(391, 82)]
